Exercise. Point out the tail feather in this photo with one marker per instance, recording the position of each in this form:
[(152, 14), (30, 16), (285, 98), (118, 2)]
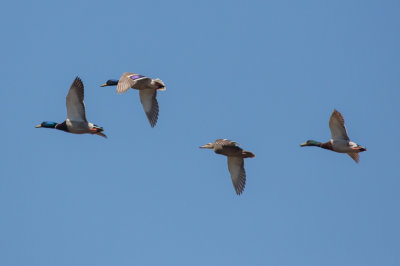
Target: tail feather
[(248, 154), (101, 134), (97, 131), (160, 83)]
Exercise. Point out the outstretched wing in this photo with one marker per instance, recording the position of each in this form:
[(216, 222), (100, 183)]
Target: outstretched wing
[(227, 147), (127, 81), (75, 104), (150, 104), (336, 124), (238, 174), (355, 156)]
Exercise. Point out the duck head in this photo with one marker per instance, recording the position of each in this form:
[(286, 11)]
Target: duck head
[(208, 146), (47, 124), (310, 143), (110, 82)]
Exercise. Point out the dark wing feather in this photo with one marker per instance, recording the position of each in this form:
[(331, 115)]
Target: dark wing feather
[(150, 105), (227, 147), (238, 174)]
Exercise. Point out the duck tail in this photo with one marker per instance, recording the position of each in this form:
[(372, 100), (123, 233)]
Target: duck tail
[(248, 154), (96, 130), (160, 83), (101, 134)]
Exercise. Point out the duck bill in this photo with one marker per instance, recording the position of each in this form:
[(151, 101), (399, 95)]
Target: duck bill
[(38, 126), (103, 85), (207, 146), (303, 144)]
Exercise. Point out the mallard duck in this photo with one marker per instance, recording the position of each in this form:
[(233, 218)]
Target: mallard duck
[(235, 156), (147, 91), (339, 142), (76, 116)]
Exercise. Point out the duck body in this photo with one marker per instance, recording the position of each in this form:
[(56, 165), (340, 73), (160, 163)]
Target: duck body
[(230, 148), (235, 156), (147, 88), (74, 127), (79, 127), (344, 146), (340, 141), (76, 121)]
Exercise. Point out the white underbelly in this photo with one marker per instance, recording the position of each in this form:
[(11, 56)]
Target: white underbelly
[(341, 146), (78, 127)]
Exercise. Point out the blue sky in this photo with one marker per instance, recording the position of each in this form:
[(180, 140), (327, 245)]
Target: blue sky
[(265, 74)]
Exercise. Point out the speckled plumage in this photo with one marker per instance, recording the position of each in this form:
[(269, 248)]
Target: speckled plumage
[(235, 156), (147, 92)]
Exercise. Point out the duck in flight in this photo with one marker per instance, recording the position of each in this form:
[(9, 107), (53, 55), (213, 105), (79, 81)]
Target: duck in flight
[(147, 88), (235, 156), (76, 116), (339, 142)]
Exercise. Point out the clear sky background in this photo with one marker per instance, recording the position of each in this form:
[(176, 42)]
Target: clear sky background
[(266, 74)]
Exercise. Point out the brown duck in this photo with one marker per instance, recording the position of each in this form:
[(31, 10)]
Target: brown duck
[(235, 156)]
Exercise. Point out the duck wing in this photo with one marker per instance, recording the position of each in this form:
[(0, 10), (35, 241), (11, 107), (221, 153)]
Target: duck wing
[(75, 105), (150, 104), (227, 147), (355, 156), (226, 143), (336, 124), (238, 174), (128, 80)]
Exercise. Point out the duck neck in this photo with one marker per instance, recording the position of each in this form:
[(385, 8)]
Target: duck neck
[(112, 82), (62, 126), (326, 145)]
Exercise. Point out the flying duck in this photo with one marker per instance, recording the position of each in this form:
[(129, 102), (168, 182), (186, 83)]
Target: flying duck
[(235, 156), (147, 91), (339, 142), (76, 116)]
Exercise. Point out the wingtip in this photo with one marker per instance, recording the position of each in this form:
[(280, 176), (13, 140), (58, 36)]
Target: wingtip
[(101, 134), (154, 122), (77, 82), (248, 154)]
